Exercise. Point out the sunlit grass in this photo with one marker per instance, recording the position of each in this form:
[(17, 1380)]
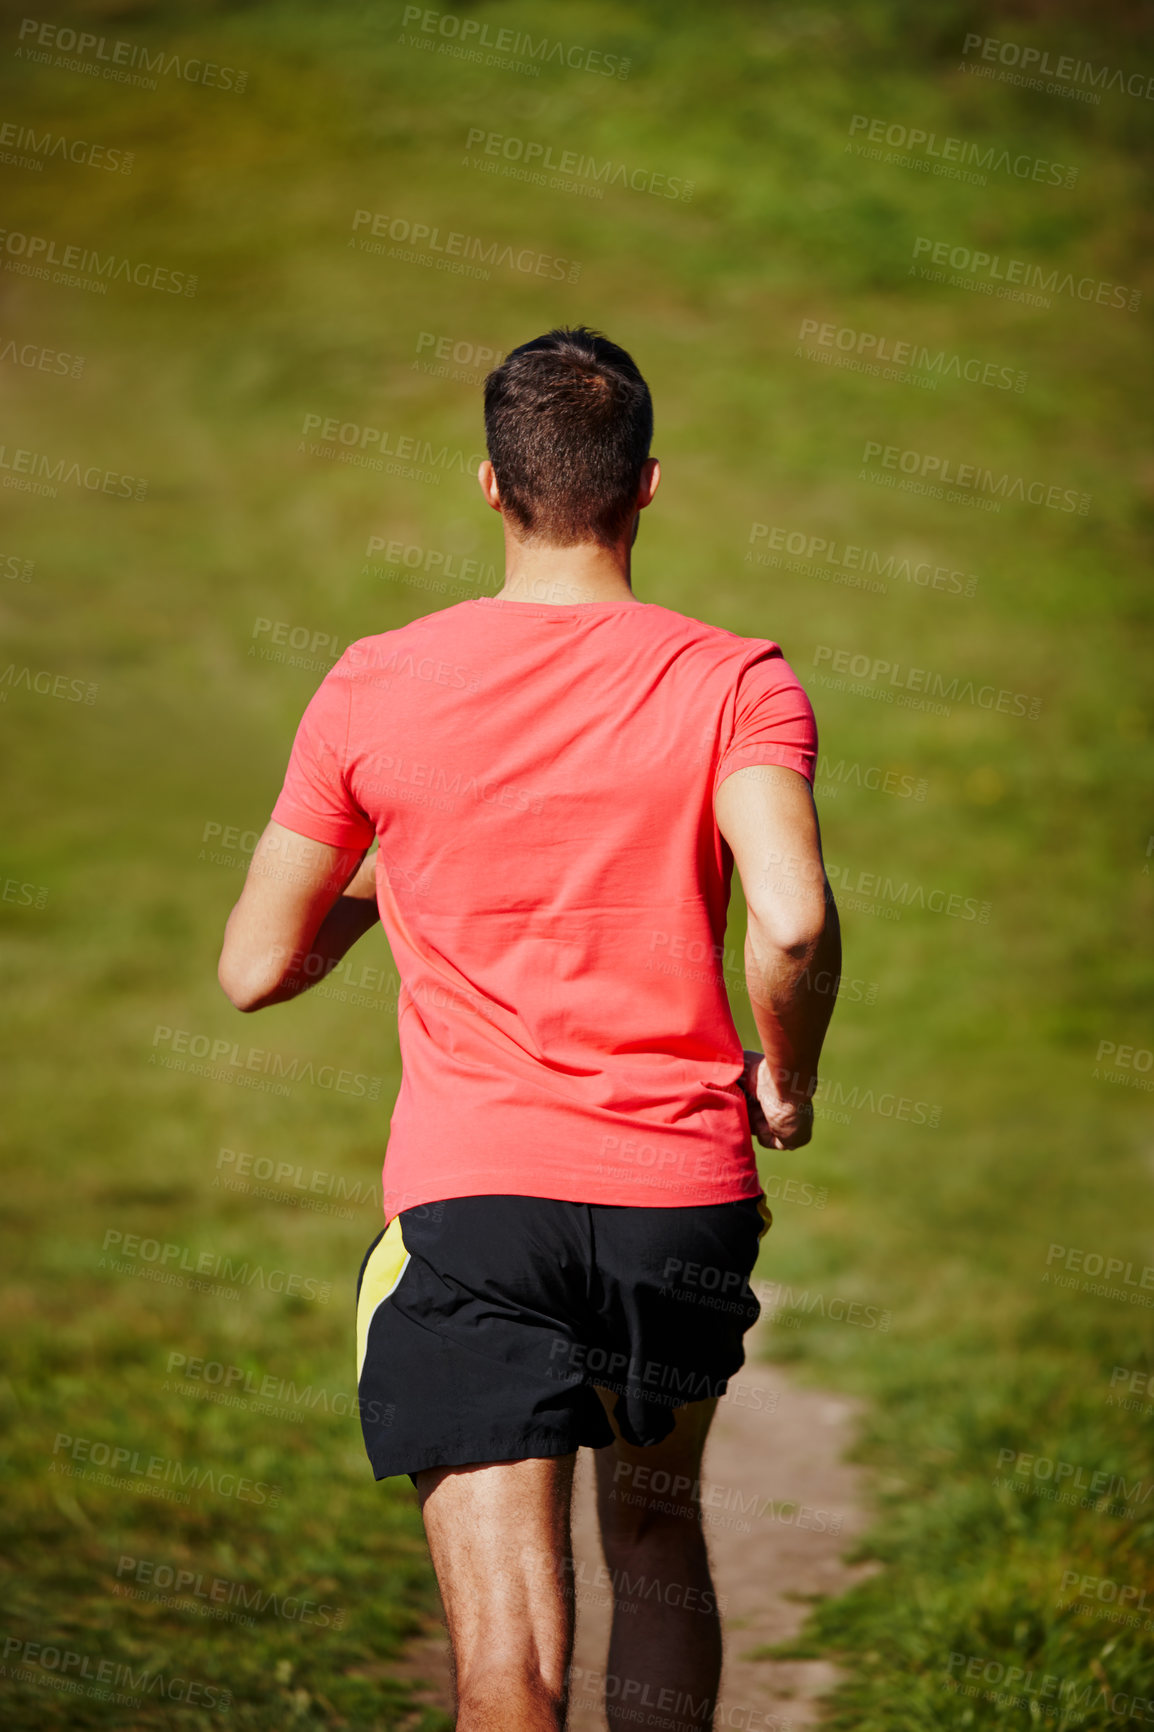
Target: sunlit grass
[(122, 809)]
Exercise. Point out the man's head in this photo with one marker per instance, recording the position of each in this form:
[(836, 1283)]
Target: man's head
[(568, 421)]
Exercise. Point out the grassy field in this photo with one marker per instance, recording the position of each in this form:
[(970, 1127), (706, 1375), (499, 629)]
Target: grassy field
[(180, 1247)]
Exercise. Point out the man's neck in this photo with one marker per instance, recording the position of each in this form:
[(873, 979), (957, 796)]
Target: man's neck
[(564, 576)]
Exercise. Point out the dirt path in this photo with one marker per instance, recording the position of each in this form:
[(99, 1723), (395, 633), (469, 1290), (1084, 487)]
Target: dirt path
[(785, 1508)]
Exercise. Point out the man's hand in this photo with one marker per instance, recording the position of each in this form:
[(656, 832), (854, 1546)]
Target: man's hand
[(777, 1121)]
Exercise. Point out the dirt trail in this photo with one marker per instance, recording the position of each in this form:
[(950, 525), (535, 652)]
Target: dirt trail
[(786, 1507)]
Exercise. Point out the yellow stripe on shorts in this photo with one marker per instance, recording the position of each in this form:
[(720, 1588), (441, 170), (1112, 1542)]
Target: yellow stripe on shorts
[(764, 1211), (385, 1268)]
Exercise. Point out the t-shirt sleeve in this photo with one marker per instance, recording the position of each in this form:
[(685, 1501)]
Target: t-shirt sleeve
[(773, 720), (315, 799)]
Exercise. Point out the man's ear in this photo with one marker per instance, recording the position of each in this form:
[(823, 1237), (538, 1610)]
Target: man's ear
[(487, 480), (650, 481)]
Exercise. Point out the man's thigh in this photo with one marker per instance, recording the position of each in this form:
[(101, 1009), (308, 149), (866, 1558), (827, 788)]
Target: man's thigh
[(500, 1539)]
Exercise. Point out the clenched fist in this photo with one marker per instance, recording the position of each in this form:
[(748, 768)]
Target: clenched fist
[(777, 1121)]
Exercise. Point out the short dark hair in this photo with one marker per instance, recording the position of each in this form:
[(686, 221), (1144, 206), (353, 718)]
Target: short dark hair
[(568, 423)]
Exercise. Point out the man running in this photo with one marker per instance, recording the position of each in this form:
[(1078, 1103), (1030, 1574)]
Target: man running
[(560, 779)]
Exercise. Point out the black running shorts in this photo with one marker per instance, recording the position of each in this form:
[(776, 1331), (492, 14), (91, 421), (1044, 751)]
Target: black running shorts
[(484, 1324)]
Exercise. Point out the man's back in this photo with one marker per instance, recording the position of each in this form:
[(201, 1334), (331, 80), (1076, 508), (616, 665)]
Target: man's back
[(554, 887), (562, 780)]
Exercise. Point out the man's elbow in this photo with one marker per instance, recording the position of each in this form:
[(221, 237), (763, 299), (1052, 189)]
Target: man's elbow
[(245, 987), (795, 926)]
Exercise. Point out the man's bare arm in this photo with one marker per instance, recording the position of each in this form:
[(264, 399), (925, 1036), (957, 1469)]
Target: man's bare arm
[(303, 906), (793, 940)]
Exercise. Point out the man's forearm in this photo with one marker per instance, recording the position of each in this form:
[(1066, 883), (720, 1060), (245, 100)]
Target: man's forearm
[(289, 973), (348, 919), (792, 992)]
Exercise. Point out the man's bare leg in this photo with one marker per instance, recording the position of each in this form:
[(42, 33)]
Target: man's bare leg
[(665, 1647), (500, 1542)]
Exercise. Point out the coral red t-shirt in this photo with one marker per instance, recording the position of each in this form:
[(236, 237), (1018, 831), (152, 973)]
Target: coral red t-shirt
[(553, 887)]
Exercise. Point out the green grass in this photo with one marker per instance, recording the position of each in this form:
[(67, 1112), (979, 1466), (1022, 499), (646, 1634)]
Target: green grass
[(117, 808)]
